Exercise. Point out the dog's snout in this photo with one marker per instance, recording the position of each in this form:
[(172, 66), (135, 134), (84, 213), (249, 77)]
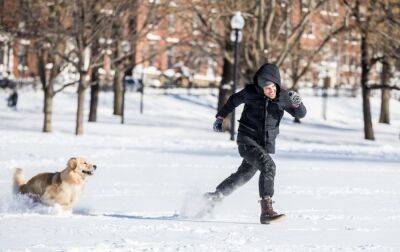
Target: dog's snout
[(95, 167)]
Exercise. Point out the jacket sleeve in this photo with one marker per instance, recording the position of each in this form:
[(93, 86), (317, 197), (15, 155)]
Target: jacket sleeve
[(233, 101), (298, 112)]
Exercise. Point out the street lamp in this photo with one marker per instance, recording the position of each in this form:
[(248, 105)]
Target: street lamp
[(141, 83), (126, 48), (237, 24), (48, 68), (325, 86)]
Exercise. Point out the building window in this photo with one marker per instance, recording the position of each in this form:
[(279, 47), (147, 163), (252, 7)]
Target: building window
[(171, 22), (195, 22), (309, 31), (325, 29), (330, 8), (326, 51), (214, 23), (22, 55), (345, 58), (307, 4), (2, 52), (353, 62), (152, 18), (351, 37), (350, 61), (170, 58), (153, 55)]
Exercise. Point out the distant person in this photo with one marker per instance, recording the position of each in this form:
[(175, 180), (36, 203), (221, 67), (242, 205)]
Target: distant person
[(12, 100), (5, 83), (264, 104), (2, 81)]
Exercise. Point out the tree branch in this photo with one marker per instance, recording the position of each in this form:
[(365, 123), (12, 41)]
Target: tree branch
[(378, 86), (65, 86)]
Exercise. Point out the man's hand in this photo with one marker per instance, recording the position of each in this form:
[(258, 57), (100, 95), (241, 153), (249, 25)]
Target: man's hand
[(294, 99), (218, 124)]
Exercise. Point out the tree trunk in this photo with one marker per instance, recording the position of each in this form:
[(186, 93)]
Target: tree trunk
[(48, 91), (295, 87), (384, 115), (225, 89), (48, 108), (118, 92), (94, 80), (368, 129), (94, 96), (81, 105)]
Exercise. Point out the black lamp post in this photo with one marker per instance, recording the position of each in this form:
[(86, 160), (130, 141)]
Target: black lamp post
[(141, 87), (237, 23), (126, 48)]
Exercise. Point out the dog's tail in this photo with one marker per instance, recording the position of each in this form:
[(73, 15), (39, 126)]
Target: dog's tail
[(19, 179)]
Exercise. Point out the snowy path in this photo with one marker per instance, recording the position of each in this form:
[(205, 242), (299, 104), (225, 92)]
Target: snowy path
[(330, 182)]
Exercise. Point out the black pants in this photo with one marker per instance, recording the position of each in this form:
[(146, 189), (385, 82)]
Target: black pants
[(254, 158)]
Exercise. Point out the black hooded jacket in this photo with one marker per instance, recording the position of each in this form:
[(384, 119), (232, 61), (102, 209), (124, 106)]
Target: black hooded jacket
[(261, 116)]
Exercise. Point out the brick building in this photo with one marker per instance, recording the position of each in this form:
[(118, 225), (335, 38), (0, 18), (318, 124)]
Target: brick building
[(15, 58), (339, 59)]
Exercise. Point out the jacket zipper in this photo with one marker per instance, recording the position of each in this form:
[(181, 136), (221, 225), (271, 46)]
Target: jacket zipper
[(265, 121)]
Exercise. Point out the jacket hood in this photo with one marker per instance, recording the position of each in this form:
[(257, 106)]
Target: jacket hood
[(267, 72)]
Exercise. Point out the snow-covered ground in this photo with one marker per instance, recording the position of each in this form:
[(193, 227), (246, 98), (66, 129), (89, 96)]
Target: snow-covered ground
[(339, 191)]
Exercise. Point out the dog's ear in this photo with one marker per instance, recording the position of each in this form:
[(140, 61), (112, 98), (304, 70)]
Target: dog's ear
[(72, 162)]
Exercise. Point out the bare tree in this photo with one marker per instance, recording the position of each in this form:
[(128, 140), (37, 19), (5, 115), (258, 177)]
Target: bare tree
[(210, 23), (384, 116), (371, 18), (135, 22), (94, 85), (367, 17), (389, 45), (40, 22), (64, 34), (71, 31), (301, 57), (272, 32), (83, 31), (86, 25)]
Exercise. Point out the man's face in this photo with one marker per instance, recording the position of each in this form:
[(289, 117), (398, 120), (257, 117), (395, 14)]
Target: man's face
[(270, 91)]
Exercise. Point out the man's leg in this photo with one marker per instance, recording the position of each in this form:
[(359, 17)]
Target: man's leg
[(267, 177), (258, 158), (244, 173)]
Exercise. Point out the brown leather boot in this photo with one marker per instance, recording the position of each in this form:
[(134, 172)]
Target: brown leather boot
[(267, 212)]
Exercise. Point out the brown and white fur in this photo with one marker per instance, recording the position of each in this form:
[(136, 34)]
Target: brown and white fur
[(63, 188)]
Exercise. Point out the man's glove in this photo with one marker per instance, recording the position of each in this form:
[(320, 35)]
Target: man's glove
[(218, 125), (294, 98)]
